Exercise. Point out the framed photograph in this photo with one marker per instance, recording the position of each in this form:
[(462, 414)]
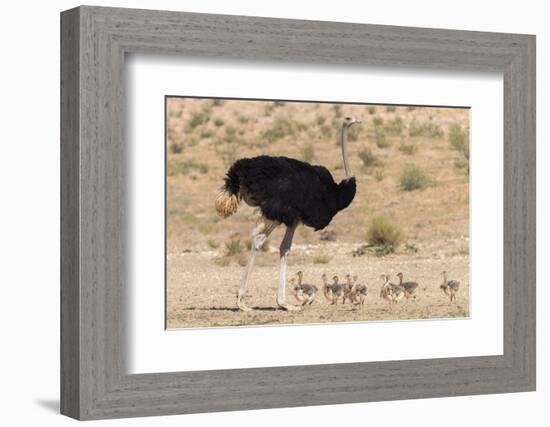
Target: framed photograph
[(261, 213)]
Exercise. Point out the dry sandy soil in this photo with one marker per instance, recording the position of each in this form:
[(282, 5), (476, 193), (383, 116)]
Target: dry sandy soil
[(203, 274)]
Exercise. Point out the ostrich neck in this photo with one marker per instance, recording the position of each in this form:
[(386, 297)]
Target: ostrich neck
[(344, 142)]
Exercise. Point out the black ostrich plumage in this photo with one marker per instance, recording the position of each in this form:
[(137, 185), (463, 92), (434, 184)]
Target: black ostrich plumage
[(290, 191)]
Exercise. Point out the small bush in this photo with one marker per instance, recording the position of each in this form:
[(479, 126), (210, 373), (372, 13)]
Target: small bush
[(409, 149), (380, 138), (321, 259), (206, 133), (371, 110), (411, 108), (184, 167), (176, 148), (377, 121), (234, 247), (217, 102), (320, 120), (326, 131), (411, 247), (412, 178), (390, 109), (307, 152), (459, 139), (219, 122), (198, 118), (337, 110), (243, 119), (278, 130), (463, 165), (354, 133), (383, 230), (279, 103), (368, 158), (378, 174), (426, 129), (394, 126), (213, 244)]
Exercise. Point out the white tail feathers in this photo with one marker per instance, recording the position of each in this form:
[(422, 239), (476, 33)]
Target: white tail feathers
[(226, 203)]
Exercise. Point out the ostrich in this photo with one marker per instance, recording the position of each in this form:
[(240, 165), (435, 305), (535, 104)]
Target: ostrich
[(359, 292), (286, 191), (450, 287), (390, 291), (304, 292), (337, 291), (410, 287), (327, 292), (348, 290)]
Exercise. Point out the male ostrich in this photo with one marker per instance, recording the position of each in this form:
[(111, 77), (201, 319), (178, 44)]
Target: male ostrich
[(287, 191)]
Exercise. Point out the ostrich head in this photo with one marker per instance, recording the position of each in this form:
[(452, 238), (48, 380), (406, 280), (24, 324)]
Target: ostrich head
[(400, 275), (335, 279), (348, 121)]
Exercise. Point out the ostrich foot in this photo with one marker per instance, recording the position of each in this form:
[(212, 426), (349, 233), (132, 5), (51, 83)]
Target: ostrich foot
[(289, 307), (241, 304)]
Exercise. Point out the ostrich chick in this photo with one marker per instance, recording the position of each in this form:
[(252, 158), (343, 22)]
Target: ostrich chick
[(336, 290), (390, 291), (359, 292), (304, 293), (409, 287), (450, 287), (327, 290), (348, 290)]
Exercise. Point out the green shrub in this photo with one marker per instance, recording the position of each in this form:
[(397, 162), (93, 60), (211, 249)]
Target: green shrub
[(412, 178), (219, 122), (354, 133), (371, 110), (184, 167), (409, 149), (326, 131), (337, 110), (459, 140), (378, 174), (377, 121), (368, 158), (176, 148), (243, 119), (234, 247), (213, 244), (320, 120), (278, 130), (426, 129), (394, 126), (206, 133), (382, 230), (197, 118), (217, 102), (380, 138), (390, 109), (321, 259)]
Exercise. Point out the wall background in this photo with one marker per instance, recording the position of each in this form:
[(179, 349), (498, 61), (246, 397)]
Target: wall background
[(29, 212)]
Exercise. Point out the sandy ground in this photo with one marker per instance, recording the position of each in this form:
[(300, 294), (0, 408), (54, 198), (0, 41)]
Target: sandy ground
[(202, 296)]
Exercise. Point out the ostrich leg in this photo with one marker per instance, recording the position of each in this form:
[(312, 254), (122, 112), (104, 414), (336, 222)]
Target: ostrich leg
[(284, 250), (259, 236)]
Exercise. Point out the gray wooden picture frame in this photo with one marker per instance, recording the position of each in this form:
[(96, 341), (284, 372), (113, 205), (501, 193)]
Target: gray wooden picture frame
[(94, 381)]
